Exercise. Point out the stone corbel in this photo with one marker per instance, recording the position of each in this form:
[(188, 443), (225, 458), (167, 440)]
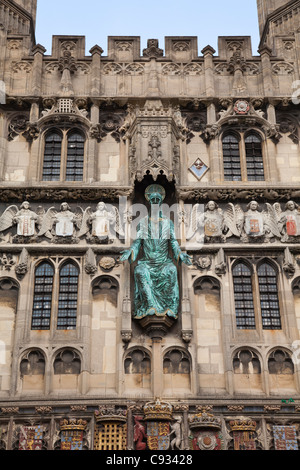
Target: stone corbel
[(22, 267), (90, 262)]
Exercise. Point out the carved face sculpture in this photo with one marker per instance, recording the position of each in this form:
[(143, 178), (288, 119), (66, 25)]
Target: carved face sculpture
[(290, 205), (253, 206), (211, 206)]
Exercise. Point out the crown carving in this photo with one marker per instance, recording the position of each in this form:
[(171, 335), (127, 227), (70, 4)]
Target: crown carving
[(158, 411), (73, 425), (205, 420), (243, 424), (110, 413)]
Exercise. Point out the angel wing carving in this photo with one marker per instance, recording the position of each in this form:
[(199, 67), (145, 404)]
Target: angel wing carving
[(83, 221), (194, 222), (46, 220), (118, 223), (7, 218), (233, 218), (271, 219)]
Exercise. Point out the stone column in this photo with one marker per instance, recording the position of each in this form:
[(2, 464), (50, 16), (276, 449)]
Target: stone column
[(208, 53), (96, 52), (157, 370), (271, 146), (265, 53), (38, 52)]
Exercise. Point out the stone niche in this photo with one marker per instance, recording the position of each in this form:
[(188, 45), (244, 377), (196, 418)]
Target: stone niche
[(9, 290)]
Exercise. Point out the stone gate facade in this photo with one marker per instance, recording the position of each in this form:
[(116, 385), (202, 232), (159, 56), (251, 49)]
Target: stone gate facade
[(81, 138)]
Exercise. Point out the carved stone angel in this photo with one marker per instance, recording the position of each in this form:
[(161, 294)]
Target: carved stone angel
[(288, 221), (207, 225), (24, 218), (59, 225), (259, 225), (101, 226)]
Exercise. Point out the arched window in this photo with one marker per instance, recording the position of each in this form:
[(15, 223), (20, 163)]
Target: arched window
[(268, 291), (68, 296), (52, 157), (75, 156), (254, 158), (63, 156), (243, 296), (42, 298), (243, 156), (231, 158)]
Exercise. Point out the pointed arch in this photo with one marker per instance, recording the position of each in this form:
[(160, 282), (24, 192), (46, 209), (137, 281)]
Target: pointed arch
[(67, 296), (267, 275), (42, 297), (75, 155), (52, 155), (243, 295)]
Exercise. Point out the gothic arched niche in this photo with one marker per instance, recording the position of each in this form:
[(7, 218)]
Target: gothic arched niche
[(9, 292), (207, 327), (176, 370), (137, 368), (281, 372), (247, 372), (105, 315), (32, 371), (140, 187)]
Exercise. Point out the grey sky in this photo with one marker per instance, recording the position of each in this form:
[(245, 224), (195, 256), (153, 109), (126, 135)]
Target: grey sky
[(155, 19)]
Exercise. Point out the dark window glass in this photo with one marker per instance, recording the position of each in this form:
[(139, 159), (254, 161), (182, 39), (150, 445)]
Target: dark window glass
[(243, 296), (267, 279), (231, 159), (254, 158), (52, 157), (67, 300), (75, 156), (42, 298)]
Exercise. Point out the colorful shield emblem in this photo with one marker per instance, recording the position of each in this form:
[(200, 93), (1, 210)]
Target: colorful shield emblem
[(71, 440), (158, 435), (30, 438), (285, 438)]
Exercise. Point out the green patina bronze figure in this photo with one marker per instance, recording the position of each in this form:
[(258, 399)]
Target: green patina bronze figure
[(155, 276)]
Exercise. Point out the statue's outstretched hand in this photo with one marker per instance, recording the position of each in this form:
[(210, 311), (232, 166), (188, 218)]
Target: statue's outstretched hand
[(125, 255), (186, 259)]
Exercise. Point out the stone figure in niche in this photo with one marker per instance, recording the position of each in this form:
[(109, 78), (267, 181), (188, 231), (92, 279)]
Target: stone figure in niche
[(155, 276), (289, 221), (208, 225), (104, 224), (24, 218)]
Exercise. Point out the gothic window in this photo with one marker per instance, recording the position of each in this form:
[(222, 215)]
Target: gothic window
[(256, 296), (243, 157), (42, 298), (63, 156), (231, 158), (243, 296), (75, 156), (280, 363), (67, 361), (269, 303), (67, 299), (254, 158), (52, 157)]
